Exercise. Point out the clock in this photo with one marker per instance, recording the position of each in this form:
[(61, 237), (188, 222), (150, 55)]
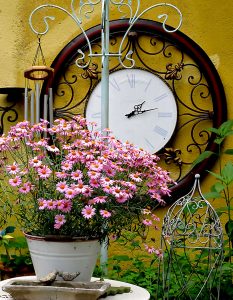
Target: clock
[(165, 104), (142, 108)]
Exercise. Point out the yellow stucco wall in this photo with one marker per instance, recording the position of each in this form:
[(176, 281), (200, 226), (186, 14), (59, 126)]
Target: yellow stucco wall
[(208, 22)]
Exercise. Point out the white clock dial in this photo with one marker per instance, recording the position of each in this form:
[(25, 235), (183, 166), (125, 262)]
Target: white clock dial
[(142, 108)]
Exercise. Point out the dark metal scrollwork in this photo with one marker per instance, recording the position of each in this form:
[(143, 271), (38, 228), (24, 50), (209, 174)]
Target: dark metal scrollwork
[(8, 108), (8, 114)]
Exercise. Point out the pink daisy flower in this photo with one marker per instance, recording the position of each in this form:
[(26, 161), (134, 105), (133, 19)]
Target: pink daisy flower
[(135, 177), (149, 249), (76, 175), (61, 186), (66, 166), (146, 211), (70, 193), (110, 172), (159, 253), (155, 218), (99, 199), (116, 191), (42, 203), (106, 181), (105, 213), (88, 212), (51, 205), (107, 189), (87, 191), (66, 147), (16, 181), (60, 204), (35, 162), (13, 169), (44, 172), (121, 198), (61, 175), (53, 149), (96, 166), (67, 205), (147, 222), (80, 187), (93, 174), (25, 188), (59, 221)]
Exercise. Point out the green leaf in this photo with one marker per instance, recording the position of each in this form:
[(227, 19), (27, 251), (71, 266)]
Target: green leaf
[(226, 127), (223, 131), (216, 175), (121, 257), (219, 140), (227, 173), (212, 195), (229, 151), (10, 229), (223, 209), (229, 229), (218, 187), (214, 130), (203, 156), (7, 237)]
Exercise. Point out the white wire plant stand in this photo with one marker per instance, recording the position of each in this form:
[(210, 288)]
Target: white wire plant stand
[(192, 240)]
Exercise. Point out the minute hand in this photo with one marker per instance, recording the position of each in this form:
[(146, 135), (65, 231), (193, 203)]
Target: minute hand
[(142, 111)]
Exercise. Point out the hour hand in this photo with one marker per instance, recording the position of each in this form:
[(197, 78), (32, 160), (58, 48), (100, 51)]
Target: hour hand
[(132, 113)]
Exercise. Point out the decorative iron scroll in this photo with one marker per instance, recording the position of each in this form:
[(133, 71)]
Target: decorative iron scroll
[(8, 108), (8, 114), (177, 60)]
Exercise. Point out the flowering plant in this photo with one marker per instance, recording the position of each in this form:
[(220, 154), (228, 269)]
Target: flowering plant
[(78, 182)]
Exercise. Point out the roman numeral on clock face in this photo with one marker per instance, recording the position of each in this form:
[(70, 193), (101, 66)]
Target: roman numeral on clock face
[(96, 115), (160, 131), (114, 84), (149, 144), (161, 97), (131, 80), (164, 114)]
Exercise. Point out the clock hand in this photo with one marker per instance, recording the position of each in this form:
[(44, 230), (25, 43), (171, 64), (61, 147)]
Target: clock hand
[(130, 114), (137, 112), (142, 111)]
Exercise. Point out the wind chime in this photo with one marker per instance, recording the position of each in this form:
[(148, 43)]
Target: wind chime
[(34, 77)]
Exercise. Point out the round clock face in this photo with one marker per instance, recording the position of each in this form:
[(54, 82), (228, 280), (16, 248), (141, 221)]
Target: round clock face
[(142, 108)]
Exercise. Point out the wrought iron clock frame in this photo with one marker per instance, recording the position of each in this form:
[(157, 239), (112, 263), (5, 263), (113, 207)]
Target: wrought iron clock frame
[(208, 80)]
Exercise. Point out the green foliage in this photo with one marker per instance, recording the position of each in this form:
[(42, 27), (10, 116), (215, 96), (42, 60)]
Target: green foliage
[(222, 190), (141, 270), (15, 258)]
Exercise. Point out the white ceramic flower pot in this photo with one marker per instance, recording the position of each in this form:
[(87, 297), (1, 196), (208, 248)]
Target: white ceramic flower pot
[(73, 257)]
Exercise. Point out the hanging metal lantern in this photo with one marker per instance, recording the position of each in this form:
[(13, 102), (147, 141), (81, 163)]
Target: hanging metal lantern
[(34, 77)]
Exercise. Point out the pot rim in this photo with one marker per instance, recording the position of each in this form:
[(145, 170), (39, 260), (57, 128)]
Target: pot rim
[(59, 238)]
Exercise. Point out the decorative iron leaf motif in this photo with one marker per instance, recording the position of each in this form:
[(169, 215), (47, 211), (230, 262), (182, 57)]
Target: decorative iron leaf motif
[(172, 155), (174, 71), (90, 72)]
